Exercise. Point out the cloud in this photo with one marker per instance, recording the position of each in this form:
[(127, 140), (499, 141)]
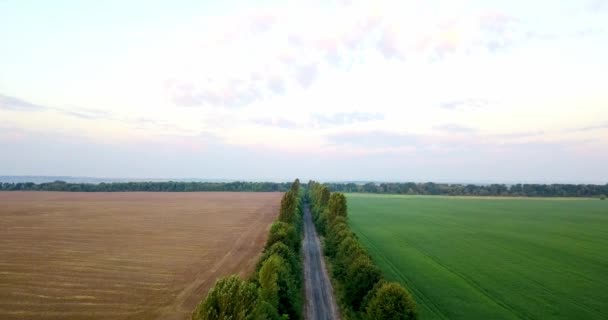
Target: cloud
[(597, 5), (234, 93), (454, 128), (276, 122), (88, 114), (589, 128), (342, 118), (464, 104), (276, 85), (12, 103), (140, 123), (373, 139), (16, 104), (306, 74), (519, 134)]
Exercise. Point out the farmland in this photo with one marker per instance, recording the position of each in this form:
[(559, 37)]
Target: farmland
[(490, 258), (124, 255)]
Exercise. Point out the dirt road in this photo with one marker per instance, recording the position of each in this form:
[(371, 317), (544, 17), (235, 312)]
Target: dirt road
[(320, 301)]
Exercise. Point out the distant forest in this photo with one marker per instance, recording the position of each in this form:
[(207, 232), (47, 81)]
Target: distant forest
[(515, 190), (429, 188), (165, 186)]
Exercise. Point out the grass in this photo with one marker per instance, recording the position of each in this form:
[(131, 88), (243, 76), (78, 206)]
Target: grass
[(475, 258)]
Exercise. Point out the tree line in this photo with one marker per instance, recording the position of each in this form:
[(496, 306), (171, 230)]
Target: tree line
[(358, 282), (515, 190), (167, 186), (274, 291), (429, 188)]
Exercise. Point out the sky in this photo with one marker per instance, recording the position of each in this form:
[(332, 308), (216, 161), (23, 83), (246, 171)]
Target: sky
[(444, 91)]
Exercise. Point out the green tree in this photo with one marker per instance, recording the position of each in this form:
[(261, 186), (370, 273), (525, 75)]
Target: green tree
[(283, 232), (348, 251), (295, 186), (291, 259), (289, 204), (230, 298), (337, 205), (390, 301), (361, 276), (268, 277), (334, 237)]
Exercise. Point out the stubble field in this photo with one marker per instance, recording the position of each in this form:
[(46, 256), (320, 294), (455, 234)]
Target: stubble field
[(124, 255), (490, 258)]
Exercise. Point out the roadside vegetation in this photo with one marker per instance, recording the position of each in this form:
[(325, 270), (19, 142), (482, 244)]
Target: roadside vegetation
[(274, 291), (360, 287)]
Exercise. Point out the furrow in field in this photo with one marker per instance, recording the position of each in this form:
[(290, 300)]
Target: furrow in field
[(428, 302)]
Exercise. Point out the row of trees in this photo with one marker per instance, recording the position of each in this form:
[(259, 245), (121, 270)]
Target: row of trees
[(430, 188), (168, 186), (274, 291), (362, 291)]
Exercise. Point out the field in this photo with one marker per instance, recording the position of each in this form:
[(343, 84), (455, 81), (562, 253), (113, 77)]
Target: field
[(475, 258), (124, 255)]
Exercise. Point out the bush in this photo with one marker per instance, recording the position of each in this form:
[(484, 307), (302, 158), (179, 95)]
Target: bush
[(602, 197), (230, 298), (390, 301)]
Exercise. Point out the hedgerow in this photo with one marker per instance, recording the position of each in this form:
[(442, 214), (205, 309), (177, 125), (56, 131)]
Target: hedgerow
[(361, 289), (274, 291)]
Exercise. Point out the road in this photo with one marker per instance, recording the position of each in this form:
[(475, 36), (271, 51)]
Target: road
[(320, 300)]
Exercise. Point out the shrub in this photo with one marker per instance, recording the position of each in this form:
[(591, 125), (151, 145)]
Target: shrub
[(230, 298), (602, 197), (390, 301)]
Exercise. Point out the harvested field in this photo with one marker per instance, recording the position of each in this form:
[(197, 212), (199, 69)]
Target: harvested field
[(124, 255)]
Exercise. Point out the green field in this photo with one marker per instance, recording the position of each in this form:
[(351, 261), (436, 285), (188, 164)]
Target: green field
[(475, 258)]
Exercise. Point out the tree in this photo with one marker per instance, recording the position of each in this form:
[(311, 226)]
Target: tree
[(268, 277), (289, 204), (230, 298), (361, 276), (337, 205), (283, 232), (288, 255), (390, 301), (295, 186)]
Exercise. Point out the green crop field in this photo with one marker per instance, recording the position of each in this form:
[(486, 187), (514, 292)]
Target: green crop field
[(476, 258)]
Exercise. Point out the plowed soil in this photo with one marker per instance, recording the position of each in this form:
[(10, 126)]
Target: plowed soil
[(124, 255)]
